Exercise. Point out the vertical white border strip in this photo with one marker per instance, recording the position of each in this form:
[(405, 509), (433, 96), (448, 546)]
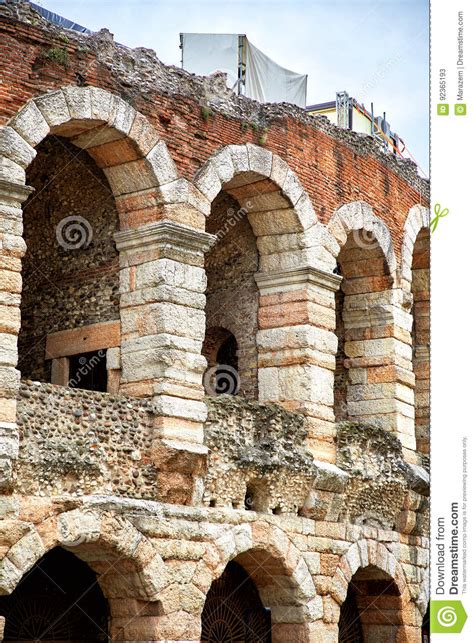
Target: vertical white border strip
[(452, 381)]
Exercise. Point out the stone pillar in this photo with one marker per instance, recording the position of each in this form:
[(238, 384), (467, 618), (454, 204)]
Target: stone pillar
[(421, 356), (12, 249), (297, 347), (162, 285), (378, 349), (137, 620)]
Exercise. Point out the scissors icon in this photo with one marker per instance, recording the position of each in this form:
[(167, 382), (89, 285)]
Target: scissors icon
[(439, 214)]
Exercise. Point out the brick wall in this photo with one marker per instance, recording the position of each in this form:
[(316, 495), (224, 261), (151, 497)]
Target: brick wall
[(334, 166)]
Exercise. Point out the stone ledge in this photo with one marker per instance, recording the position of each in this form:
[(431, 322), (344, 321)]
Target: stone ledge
[(284, 280), (164, 234)]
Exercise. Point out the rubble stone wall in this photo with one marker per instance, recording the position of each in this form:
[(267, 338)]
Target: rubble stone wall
[(65, 287), (158, 494)]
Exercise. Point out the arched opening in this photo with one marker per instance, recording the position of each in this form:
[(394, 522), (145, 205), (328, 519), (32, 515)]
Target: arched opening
[(59, 599), (234, 611), (70, 300), (221, 351), (425, 626), (361, 318), (278, 602), (232, 296), (420, 288), (372, 608)]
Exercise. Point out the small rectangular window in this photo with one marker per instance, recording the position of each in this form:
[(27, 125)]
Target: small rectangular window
[(88, 371)]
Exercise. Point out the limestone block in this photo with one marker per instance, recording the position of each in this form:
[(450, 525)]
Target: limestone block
[(260, 159), (54, 108), (182, 191), (208, 182), (313, 561), (305, 211), (122, 115), (279, 170), (15, 147), (76, 527), (292, 187), (243, 538), (11, 171), (27, 551), (8, 349), (172, 455), (329, 477), (130, 177), (223, 166), (101, 103), (9, 319), (78, 100), (162, 164), (240, 158), (143, 134), (10, 576), (8, 440), (113, 358), (15, 246), (30, 124), (181, 408)]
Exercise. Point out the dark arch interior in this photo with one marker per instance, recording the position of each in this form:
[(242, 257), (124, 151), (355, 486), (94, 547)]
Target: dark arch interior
[(371, 609), (70, 270), (233, 610), (232, 293), (221, 351), (58, 600)]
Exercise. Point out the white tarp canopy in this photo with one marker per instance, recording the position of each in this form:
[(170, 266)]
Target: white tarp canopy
[(205, 54), (267, 82), (264, 80)]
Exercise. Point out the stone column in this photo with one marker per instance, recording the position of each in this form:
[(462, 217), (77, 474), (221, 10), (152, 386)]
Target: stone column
[(421, 356), (162, 285), (12, 249), (378, 349), (297, 347)]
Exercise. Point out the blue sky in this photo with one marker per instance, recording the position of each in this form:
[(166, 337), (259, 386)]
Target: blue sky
[(377, 50)]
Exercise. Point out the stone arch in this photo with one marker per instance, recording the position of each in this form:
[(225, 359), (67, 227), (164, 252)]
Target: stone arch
[(108, 543), (155, 207), (120, 139), (372, 326), (417, 219), (264, 186), (279, 572), (359, 216), (370, 556)]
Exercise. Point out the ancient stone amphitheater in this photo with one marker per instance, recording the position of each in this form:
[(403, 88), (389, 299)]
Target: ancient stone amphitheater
[(214, 364)]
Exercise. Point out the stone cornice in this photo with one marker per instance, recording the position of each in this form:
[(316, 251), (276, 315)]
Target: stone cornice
[(165, 234), (14, 193), (284, 280)]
